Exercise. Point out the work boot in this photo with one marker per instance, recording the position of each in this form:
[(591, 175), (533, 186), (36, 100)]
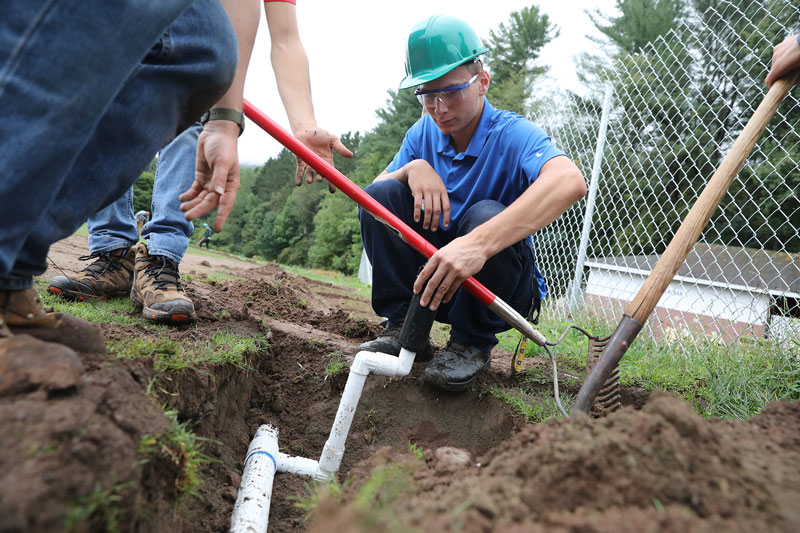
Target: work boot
[(109, 276), (157, 289), (455, 367), (389, 342), (22, 313)]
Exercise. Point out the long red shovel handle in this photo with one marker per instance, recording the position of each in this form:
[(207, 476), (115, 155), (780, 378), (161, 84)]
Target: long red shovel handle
[(373, 207)]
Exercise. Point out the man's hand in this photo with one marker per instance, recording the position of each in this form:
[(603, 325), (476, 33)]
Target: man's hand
[(216, 178), (427, 187), (323, 143), (447, 269), (785, 58)]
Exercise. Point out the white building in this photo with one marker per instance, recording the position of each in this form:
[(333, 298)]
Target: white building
[(723, 291)]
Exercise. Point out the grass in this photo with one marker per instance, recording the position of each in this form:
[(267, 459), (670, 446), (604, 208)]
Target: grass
[(315, 493), (118, 311), (168, 355), (181, 446), (335, 278), (336, 364), (216, 277), (728, 381), (99, 511), (534, 407)]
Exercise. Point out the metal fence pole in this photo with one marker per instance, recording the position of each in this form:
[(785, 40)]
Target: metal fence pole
[(575, 291)]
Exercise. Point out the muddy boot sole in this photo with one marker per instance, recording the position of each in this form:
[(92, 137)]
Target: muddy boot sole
[(180, 316), (75, 296)]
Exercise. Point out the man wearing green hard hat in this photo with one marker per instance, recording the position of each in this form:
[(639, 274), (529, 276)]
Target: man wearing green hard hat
[(476, 182)]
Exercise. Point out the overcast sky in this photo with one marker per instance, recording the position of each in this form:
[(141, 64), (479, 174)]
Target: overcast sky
[(356, 54)]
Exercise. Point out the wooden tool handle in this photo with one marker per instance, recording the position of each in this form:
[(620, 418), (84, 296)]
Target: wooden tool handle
[(694, 223)]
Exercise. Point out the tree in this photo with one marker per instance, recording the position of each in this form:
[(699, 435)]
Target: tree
[(513, 51), (143, 192)]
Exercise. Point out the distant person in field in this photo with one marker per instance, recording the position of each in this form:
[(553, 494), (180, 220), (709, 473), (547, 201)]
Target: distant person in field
[(785, 58), (207, 234), (149, 271), (476, 182), (141, 219), (80, 126)]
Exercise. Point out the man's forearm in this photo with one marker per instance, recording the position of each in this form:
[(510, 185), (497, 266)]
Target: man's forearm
[(290, 64), (244, 16), (555, 190)]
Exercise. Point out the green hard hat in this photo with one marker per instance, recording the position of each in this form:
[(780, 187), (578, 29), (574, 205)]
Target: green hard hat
[(436, 46)]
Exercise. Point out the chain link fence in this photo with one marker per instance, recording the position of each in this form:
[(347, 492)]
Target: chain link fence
[(648, 139)]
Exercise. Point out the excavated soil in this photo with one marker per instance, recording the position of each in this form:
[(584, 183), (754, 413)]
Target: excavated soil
[(74, 430)]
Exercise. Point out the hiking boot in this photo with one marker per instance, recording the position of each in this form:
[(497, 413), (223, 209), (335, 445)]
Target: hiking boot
[(22, 313), (388, 342), (157, 289), (455, 367), (109, 276)]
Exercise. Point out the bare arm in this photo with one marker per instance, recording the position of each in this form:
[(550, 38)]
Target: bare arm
[(559, 185), (217, 165), (290, 63)]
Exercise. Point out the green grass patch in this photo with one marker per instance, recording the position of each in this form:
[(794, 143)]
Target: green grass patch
[(334, 278), (222, 348), (118, 311), (216, 277), (195, 250), (315, 493), (723, 380), (97, 512), (534, 407), (336, 364), (83, 231), (180, 446)]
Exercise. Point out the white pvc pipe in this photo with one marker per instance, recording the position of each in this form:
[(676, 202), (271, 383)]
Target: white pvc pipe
[(251, 510), (364, 363), (297, 465)]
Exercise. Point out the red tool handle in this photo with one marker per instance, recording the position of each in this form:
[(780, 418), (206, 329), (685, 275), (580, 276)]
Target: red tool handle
[(341, 182)]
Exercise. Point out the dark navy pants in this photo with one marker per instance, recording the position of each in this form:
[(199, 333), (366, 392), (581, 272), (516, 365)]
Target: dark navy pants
[(395, 264)]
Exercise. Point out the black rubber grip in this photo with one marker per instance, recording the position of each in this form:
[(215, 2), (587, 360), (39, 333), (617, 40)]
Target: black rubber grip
[(417, 327)]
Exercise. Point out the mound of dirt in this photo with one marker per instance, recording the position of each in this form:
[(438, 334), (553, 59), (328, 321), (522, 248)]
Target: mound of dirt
[(662, 468)]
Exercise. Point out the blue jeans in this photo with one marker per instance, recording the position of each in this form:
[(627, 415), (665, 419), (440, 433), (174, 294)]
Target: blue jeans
[(89, 91), (509, 274), (167, 233)]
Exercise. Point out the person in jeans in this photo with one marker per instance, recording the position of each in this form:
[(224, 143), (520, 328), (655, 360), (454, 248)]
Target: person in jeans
[(113, 238), (112, 232), (86, 105), (474, 181)]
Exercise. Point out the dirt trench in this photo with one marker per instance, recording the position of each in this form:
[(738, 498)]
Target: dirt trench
[(84, 441), (74, 431)]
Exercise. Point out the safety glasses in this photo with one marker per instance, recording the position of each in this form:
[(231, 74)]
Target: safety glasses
[(449, 96)]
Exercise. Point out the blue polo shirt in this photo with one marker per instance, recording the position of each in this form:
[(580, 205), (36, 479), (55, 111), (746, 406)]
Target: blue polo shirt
[(503, 158)]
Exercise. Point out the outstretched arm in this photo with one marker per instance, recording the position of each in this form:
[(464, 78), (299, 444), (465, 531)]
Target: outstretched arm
[(290, 63)]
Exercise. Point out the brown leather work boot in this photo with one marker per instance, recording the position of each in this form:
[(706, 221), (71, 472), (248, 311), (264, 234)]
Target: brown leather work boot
[(157, 289), (109, 276), (22, 313)]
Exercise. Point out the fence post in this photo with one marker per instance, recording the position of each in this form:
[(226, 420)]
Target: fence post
[(575, 287)]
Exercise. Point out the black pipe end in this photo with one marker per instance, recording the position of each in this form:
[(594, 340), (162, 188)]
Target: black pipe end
[(417, 326)]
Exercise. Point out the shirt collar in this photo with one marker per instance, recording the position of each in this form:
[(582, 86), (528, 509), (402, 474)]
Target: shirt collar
[(478, 138)]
